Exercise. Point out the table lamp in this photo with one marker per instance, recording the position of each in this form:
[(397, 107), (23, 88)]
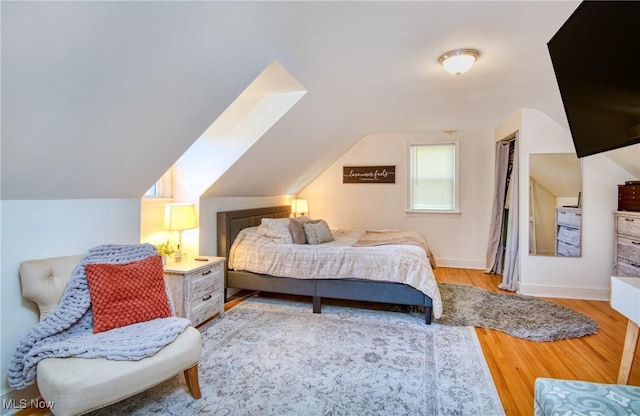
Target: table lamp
[(299, 207), (179, 217)]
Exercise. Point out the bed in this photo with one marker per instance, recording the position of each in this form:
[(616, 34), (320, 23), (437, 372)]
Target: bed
[(231, 224)]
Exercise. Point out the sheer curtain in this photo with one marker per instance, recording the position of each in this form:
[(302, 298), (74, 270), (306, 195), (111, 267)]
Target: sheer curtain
[(502, 251)]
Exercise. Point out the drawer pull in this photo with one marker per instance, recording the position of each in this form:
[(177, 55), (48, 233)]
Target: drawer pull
[(206, 273), (207, 297), (629, 219), (637, 243)]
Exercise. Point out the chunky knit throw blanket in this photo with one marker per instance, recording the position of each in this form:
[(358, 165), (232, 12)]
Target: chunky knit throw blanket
[(68, 331)]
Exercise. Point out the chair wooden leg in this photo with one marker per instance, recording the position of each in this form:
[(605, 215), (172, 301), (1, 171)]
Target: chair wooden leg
[(191, 376)]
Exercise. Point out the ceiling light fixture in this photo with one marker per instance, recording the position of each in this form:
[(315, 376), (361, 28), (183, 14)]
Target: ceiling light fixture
[(458, 61)]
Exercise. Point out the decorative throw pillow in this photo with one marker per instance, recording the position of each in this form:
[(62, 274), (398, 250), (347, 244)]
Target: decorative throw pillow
[(317, 232), (277, 229), (297, 230), (124, 294)]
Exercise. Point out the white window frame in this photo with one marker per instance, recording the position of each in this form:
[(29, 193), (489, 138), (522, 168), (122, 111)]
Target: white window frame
[(410, 176), (163, 187)]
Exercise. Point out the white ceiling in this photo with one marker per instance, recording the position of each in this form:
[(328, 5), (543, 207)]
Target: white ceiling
[(100, 98)]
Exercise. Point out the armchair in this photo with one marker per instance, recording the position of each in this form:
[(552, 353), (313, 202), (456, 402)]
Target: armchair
[(80, 385)]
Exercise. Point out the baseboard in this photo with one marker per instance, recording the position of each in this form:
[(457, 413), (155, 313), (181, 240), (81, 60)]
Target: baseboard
[(565, 292), (461, 264), (18, 400)]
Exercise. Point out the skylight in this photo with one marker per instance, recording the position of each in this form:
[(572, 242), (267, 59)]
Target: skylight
[(271, 95)]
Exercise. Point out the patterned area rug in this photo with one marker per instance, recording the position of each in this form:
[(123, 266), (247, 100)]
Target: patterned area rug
[(520, 316), (275, 357)]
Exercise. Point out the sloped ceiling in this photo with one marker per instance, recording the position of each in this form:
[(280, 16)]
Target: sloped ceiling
[(559, 173), (628, 158), (100, 98)]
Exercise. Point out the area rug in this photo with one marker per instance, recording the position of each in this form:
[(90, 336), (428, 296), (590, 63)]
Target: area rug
[(520, 316), (275, 357)]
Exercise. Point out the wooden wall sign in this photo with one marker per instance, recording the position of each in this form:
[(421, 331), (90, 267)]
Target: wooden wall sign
[(368, 174)]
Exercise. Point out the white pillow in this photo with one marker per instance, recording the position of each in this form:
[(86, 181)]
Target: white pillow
[(276, 229), (317, 232)]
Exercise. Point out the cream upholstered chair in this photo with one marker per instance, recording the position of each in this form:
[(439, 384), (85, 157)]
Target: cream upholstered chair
[(80, 385)]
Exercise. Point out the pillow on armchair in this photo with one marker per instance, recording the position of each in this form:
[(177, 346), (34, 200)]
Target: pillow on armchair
[(125, 294)]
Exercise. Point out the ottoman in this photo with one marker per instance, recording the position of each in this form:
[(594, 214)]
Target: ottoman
[(573, 398)]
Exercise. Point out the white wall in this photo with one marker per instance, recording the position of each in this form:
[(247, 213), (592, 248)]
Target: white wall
[(460, 240), (40, 229), (585, 277), (457, 240)]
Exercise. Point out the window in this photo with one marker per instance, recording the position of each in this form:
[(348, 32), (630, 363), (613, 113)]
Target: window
[(433, 177), (153, 191), (162, 188)]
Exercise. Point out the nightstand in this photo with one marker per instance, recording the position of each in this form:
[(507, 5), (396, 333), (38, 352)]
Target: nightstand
[(197, 288)]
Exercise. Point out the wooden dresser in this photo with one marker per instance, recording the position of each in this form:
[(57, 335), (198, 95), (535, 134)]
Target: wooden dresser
[(197, 288), (626, 243), (568, 232)]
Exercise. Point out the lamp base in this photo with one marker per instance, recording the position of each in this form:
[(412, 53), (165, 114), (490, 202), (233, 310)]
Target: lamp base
[(179, 248)]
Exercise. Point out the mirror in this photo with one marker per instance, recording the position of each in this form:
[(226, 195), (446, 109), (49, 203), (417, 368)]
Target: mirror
[(555, 205)]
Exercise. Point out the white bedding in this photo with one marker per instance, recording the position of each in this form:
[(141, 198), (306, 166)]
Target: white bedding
[(338, 259)]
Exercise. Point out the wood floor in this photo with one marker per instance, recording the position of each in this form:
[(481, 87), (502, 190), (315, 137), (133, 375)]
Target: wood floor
[(516, 363)]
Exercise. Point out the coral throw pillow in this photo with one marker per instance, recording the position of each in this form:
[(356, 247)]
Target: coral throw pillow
[(124, 294)]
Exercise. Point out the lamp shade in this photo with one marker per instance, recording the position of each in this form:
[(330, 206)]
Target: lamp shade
[(180, 216), (459, 61), (299, 206)]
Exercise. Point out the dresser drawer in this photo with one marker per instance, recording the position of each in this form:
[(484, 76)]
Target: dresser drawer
[(629, 249), (629, 226), (568, 250), (569, 235), (205, 281), (205, 307), (625, 267), (569, 217)]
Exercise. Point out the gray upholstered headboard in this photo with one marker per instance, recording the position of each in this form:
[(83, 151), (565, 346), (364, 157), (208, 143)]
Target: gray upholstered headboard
[(231, 222)]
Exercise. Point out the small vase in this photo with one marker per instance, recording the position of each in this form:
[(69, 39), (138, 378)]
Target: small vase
[(164, 260)]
